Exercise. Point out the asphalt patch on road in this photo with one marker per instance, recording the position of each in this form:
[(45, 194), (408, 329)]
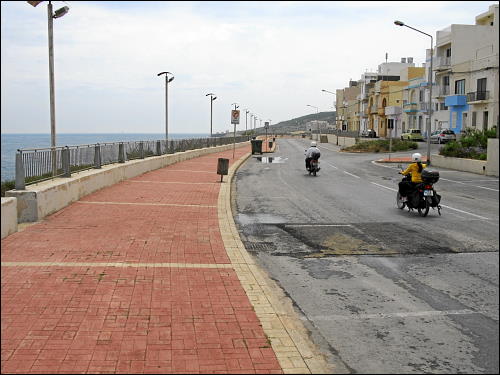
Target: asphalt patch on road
[(330, 239)]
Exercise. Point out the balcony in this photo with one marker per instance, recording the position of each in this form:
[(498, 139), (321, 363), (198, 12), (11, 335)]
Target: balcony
[(442, 63), (410, 107), (441, 91), (373, 109), (477, 96)]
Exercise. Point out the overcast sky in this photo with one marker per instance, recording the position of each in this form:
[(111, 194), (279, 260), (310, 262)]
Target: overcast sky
[(273, 58)]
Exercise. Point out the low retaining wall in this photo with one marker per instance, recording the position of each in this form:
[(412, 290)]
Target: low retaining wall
[(459, 164), (9, 216), (492, 166), (45, 198)]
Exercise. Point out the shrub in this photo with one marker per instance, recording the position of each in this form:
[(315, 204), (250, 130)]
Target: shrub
[(473, 144)]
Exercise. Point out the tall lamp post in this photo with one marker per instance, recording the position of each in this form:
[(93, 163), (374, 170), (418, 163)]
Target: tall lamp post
[(212, 98), (399, 23), (246, 119), (50, 17), (319, 129), (167, 80), (335, 97)]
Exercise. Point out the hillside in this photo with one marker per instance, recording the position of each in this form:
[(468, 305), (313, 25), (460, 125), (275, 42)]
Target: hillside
[(299, 123)]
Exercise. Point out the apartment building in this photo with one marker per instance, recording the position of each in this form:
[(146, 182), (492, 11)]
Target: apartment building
[(415, 101), (466, 74), (366, 83)]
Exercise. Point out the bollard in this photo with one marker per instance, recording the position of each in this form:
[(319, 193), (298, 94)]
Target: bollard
[(97, 157), (65, 158), (20, 184)]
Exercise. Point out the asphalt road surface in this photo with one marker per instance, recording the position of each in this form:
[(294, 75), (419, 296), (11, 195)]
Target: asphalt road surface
[(382, 290)]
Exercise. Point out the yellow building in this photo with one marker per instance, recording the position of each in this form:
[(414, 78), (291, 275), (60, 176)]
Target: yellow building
[(385, 94)]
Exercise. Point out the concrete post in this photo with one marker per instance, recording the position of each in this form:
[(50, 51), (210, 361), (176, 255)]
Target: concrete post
[(121, 153), (65, 156), (158, 148), (97, 157), (20, 185), (141, 150)]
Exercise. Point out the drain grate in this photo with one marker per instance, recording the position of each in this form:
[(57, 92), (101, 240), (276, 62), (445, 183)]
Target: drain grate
[(260, 246)]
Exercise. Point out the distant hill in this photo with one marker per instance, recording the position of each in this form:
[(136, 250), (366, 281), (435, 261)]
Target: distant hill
[(299, 123)]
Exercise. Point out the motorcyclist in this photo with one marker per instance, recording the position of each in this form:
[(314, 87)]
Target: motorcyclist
[(415, 169), (312, 153)]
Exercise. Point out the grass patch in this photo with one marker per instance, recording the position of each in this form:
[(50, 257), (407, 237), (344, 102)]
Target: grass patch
[(382, 145)]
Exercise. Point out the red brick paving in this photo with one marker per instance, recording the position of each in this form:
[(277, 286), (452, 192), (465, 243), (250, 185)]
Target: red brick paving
[(105, 319)]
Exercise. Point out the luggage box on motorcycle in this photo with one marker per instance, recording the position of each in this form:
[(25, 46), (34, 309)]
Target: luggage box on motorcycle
[(430, 176)]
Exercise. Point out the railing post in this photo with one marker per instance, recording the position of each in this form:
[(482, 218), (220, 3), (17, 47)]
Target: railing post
[(141, 149), (158, 148), (20, 185), (121, 153), (65, 158), (97, 157)]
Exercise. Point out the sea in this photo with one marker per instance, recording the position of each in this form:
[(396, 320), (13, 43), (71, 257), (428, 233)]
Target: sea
[(12, 142)]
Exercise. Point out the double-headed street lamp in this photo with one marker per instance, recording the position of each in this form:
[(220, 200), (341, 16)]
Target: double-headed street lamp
[(212, 98), (167, 80), (399, 23), (50, 16)]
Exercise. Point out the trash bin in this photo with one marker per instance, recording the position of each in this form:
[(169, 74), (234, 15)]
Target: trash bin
[(222, 167), (256, 146)]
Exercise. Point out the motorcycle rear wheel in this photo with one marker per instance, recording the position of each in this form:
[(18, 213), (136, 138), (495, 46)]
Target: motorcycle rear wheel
[(425, 210), (399, 201)]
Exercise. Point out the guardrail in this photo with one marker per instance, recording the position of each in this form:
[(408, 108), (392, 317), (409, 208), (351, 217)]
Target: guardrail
[(41, 164)]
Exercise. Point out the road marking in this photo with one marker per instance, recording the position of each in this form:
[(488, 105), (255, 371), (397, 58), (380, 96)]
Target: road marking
[(451, 208), (318, 225), (463, 183), (394, 315), (350, 174), (149, 204), (330, 164)]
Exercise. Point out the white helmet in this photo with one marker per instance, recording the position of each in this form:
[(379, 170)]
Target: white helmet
[(416, 157), (313, 144)]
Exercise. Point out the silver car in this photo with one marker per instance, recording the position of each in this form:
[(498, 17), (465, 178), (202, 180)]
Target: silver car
[(443, 136)]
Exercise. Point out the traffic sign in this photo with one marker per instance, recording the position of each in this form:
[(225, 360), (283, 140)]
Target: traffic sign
[(235, 116), (266, 125)]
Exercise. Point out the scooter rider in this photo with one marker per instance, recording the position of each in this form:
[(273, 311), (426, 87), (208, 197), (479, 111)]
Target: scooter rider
[(312, 153), (415, 168)]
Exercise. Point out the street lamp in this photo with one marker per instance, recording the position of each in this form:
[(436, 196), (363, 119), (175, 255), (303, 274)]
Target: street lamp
[(399, 23), (50, 16), (319, 129), (212, 98), (167, 80), (332, 106), (246, 119)]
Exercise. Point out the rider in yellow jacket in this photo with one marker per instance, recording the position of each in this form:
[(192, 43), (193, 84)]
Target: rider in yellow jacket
[(415, 169)]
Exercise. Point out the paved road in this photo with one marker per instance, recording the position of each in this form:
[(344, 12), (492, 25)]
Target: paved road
[(382, 290)]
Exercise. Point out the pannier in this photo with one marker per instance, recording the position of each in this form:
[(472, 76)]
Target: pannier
[(430, 176)]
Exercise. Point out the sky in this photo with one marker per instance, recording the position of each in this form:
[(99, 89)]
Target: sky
[(271, 58)]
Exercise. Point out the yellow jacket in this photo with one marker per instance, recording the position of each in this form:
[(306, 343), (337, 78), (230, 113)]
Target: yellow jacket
[(416, 176)]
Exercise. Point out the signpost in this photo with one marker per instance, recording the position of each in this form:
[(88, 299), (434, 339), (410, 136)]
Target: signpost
[(235, 119), (266, 126)]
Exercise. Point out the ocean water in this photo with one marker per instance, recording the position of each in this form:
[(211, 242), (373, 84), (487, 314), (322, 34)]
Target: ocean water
[(12, 142)]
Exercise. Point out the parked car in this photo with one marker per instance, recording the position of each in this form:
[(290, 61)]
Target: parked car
[(443, 136), (372, 133), (364, 133), (412, 135)]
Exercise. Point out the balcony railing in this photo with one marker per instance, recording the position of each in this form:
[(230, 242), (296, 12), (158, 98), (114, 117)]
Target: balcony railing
[(478, 96), (442, 62), (410, 107), (441, 91)]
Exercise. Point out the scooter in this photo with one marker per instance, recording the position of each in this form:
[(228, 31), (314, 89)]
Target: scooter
[(314, 167), (423, 196)]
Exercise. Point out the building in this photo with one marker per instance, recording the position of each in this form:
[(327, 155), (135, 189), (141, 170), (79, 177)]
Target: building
[(414, 105), (466, 74)]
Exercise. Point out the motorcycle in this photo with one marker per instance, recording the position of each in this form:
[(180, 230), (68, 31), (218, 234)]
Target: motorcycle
[(314, 167), (423, 196)]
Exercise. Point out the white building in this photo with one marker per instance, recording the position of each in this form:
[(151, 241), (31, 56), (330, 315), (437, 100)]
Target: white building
[(466, 74)]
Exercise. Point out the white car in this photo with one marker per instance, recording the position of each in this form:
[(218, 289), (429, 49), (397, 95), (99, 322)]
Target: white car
[(443, 136)]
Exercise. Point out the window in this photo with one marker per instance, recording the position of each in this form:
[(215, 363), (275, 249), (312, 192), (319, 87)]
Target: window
[(443, 107), (421, 95), (464, 119), (448, 52), (446, 80), (460, 87), (474, 117), (481, 85), (485, 120)]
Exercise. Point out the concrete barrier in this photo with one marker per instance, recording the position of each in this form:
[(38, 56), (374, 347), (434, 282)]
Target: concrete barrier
[(45, 198), (9, 216)]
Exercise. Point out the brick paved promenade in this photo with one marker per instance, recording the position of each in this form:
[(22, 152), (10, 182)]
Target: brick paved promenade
[(145, 276)]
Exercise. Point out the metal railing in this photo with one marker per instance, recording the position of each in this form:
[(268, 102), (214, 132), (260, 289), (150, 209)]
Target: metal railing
[(41, 164), (478, 95)]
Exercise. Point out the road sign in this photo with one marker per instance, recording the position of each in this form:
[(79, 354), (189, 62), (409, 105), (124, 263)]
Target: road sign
[(235, 116), (266, 125)]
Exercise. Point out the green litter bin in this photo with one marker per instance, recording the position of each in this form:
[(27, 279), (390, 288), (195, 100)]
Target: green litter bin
[(256, 146)]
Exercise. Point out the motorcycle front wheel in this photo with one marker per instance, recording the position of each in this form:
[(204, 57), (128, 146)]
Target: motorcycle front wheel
[(425, 210), (399, 201)]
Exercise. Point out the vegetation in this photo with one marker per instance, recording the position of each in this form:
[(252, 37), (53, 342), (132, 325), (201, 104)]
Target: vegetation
[(382, 145), (472, 144)]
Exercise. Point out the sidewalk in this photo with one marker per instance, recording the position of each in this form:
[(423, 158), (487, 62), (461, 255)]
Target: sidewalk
[(400, 160), (145, 276)]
